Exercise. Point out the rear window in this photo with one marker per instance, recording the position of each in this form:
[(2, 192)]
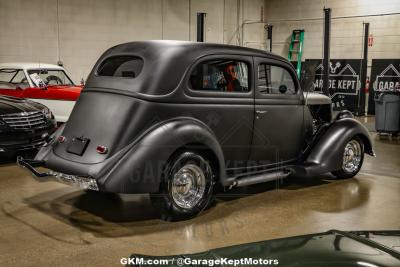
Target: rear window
[(121, 66)]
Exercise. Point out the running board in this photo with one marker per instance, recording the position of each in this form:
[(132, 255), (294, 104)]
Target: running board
[(260, 178)]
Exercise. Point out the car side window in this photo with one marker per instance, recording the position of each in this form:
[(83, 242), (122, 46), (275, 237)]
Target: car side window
[(275, 80), (49, 77), (220, 75), (13, 79)]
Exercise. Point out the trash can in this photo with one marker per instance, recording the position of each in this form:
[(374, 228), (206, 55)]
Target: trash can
[(387, 111)]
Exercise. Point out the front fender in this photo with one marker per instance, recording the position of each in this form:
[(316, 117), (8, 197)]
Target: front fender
[(139, 167), (327, 153)]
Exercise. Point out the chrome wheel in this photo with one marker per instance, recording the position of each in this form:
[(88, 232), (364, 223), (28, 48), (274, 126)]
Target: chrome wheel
[(188, 186), (352, 156)]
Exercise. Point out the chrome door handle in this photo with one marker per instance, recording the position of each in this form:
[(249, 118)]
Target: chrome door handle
[(261, 111)]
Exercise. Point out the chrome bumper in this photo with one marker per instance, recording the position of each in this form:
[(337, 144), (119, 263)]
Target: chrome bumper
[(83, 182)]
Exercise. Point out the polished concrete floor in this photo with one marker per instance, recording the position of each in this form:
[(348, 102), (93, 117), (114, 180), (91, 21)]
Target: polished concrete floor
[(50, 224)]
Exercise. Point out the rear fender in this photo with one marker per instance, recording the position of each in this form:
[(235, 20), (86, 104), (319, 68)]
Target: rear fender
[(139, 167), (47, 149)]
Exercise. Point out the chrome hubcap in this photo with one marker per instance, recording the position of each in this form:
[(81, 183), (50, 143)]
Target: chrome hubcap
[(352, 156), (188, 186)]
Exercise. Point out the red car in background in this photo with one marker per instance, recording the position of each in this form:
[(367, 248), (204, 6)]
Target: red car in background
[(47, 84)]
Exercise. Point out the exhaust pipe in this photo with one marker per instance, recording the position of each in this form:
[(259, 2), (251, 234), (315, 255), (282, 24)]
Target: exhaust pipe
[(261, 178)]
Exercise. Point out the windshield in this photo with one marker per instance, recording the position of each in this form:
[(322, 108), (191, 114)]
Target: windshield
[(13, 79), (49, 77)]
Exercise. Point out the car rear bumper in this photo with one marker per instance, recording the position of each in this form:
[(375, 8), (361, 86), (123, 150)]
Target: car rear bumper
[(83, 182)]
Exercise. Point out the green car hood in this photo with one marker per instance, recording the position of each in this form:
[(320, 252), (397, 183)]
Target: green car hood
[(332, 248)]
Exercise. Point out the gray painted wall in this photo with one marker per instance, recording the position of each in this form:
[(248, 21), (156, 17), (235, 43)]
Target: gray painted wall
[(78, 31), (346, 36)]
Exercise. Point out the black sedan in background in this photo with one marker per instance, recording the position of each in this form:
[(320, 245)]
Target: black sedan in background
[(24, 126)]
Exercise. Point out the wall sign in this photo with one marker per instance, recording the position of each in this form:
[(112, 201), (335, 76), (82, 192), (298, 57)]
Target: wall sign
[(344, 81), (385, 75), (370, 40)]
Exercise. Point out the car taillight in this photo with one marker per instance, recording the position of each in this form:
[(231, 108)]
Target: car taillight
[(102, 149), (61, 139)]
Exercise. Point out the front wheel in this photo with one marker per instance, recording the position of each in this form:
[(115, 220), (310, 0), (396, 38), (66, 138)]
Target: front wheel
[(353, 157), (186, 188)]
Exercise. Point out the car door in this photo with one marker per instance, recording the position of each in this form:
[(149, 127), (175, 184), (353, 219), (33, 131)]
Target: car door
[(278, 114), (15, 92), (222, 96), (35, 91)]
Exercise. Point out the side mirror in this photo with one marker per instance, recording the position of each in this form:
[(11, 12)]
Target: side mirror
[(42, 85)]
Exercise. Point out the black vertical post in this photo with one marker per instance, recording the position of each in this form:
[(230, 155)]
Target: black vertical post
[(364, 67), (200, 26), (269, 36), (327, 38)]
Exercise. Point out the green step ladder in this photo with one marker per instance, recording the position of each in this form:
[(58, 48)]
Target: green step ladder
[(296, 49)]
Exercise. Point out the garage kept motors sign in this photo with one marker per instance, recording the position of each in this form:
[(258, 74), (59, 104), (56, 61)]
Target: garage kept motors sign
[(385, 75), (344, 81)]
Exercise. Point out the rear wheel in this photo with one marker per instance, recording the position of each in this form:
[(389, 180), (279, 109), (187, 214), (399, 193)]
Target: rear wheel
[(353, 157), (186, 188)]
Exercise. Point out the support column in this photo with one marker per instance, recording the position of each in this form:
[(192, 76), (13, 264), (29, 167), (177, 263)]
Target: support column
[(364, 68), (269, 35), (327, 39), (200, 26)]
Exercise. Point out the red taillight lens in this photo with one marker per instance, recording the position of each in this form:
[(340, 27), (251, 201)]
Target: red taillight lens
[(102, 149), (61, 139)]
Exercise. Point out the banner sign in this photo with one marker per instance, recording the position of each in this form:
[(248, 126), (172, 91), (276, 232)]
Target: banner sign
[(344, 81), (385, 75)]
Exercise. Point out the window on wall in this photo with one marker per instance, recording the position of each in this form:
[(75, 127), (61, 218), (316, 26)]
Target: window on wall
[(221, 76), (275, 80)]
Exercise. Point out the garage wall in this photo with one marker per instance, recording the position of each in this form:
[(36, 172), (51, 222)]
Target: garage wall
[(76, 32), (28, 31), (346, 35)]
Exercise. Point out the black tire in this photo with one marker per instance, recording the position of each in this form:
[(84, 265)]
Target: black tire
[(345, 173), (166, 201)]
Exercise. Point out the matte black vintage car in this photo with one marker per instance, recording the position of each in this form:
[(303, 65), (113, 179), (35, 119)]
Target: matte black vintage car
[(175, 119), (24, 126)]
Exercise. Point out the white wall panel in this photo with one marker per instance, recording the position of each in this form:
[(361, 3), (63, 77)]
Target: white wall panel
[(29, 29)]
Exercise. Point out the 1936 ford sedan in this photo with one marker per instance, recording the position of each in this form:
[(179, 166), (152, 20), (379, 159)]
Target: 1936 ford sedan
[(175, 119)]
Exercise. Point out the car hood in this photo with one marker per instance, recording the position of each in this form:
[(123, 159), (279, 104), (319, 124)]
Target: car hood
[(316, 99), (332, 248), (9, 105)]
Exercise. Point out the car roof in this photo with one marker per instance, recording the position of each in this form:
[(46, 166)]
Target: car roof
[(29, 65), (166, 60), (181, 47)]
